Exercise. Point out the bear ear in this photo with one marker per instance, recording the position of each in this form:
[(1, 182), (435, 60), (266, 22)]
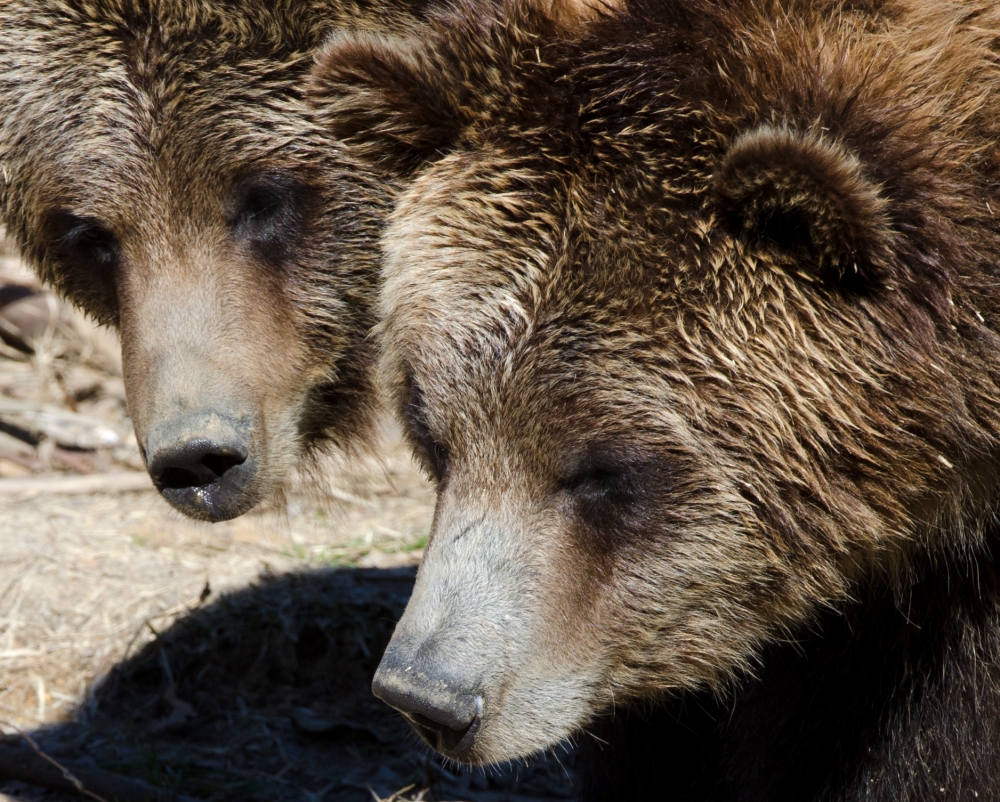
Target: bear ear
[(392, 98), (571, 14), (808, 198)]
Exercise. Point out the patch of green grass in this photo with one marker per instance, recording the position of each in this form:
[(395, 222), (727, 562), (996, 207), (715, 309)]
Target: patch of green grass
[(419, 543), (296, 552), (348, 555)]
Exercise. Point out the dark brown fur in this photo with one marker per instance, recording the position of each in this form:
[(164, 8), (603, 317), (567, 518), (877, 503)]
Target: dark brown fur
[(694, 318), (162, 170)]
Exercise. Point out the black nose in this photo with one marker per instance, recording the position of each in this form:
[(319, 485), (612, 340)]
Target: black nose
[(440, 710), (203, 464)]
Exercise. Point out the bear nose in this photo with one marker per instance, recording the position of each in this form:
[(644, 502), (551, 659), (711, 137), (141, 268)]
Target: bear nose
[(203, 464), (444, 713)]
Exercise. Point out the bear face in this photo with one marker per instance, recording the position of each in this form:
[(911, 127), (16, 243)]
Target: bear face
[(691, 317), (163, 171)]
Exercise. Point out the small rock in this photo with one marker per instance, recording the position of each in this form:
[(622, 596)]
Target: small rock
[(64, 428)]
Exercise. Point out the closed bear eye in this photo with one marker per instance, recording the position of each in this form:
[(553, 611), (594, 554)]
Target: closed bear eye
[(616, 497), (84, 238), (434, 453), (83, 258), (267, 212), (600, 481)]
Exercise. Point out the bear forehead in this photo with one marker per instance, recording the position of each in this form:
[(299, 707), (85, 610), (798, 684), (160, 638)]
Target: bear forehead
[(168, 99), (501, 274), (511, 345), (610, 219), (143, 66), (498, 244)]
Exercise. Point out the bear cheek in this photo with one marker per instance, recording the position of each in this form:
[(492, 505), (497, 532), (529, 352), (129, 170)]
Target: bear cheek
[(648, 556)]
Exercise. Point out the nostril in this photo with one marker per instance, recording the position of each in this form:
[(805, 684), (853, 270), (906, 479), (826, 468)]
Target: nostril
[(219, 463), (447, 718), (194, 464), (178, 479), (444, 737)]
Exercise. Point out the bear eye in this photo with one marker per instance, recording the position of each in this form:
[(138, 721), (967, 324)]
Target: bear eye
[(434, 453), (609, 486), (260, 206), (85, 239), (85, 257), (615, 495), (600, 481), (267, 213)]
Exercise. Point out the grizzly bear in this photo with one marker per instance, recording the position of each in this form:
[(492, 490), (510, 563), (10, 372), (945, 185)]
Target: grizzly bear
[(162, 169), (694, 319)]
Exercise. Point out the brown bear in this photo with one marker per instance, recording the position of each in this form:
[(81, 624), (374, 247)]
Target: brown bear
[(161, 168), (694, 319)]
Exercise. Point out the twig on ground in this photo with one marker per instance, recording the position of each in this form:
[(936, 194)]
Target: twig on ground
[(116, 482), (65, 428), (12, 353), (67, 775), (36, 767), (398, 796), (343, 495)]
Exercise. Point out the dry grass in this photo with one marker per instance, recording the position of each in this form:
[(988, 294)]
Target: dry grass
[(228, 661), (81, 577)]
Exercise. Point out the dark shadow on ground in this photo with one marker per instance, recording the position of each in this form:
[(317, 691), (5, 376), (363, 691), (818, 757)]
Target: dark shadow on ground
[(264, 694)]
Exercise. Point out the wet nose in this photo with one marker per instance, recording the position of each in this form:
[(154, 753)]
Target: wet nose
[(203, 464), (445, 711)]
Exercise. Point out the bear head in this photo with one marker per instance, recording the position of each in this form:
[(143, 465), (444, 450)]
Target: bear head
[(691, 316), (162, 170)]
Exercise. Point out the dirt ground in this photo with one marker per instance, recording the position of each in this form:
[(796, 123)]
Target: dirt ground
[(223, 662)]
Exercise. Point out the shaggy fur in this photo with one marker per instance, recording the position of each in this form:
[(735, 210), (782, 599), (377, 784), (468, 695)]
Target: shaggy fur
[(161, 169), (694, 319)]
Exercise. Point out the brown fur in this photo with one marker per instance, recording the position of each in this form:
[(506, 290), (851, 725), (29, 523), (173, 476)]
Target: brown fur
[(162, 170), (694, 320)]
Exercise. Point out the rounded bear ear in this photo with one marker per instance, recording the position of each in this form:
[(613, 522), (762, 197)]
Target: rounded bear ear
[(392, 98), (807, 197), (572, 13)]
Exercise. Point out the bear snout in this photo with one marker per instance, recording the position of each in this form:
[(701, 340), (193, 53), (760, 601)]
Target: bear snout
[(204, 464)]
